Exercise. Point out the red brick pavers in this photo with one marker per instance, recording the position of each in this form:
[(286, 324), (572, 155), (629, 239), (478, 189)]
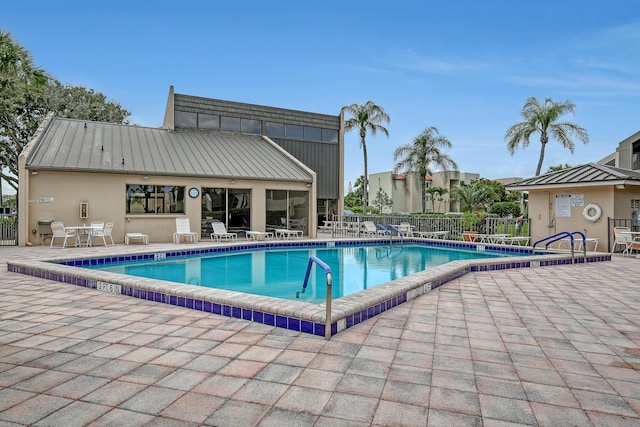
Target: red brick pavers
[(543, 346)]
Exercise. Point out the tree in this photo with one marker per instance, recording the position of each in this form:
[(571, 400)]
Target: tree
[(476, 195), (366, 118), (559, 167), (542, 118), (21, 87), (77, 102), (423, 153), (436, 193), (382, 200), (353, 199), (27, 94)]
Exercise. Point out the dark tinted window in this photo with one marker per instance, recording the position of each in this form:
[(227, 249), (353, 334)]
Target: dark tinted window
[(231, 124), (208, 121), (312, 134), (294, 131), (275, 129), (251, 126), (329, 135), (185, 120)]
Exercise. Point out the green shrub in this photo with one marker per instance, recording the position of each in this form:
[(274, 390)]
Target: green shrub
[(503, 209)]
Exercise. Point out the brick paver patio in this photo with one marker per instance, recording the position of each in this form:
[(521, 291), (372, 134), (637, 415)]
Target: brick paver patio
[(547, 346)]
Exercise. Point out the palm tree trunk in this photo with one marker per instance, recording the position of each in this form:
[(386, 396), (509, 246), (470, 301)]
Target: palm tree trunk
[(365, 183), (542, 145)]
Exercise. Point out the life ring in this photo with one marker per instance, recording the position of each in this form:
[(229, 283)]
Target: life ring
[(597, 212)]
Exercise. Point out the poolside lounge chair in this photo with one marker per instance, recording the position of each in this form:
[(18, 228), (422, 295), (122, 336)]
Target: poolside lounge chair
[(370, 229), (58, 232), (102, 232), (220, 232), (183, 229)]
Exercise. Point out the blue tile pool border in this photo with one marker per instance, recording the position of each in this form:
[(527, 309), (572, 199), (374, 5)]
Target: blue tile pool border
[(304, 317)]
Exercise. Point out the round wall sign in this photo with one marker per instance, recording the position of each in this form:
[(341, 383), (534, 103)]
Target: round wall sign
[(194, 192)]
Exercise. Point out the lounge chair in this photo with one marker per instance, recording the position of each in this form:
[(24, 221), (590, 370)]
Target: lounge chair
[(103, 233), (58, 231), (220, 232), (370, 229), (183, 229)]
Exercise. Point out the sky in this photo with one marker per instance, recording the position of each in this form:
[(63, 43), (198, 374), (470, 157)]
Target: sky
[(466, 67)]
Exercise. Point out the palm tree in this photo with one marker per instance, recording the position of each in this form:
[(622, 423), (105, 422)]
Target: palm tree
[(421, 154), (474, 196), (16, 64), (542, 118), (436, 191), (366, 118)]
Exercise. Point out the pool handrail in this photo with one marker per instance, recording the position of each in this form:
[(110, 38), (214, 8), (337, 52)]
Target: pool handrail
[(394, 228), (386, 230), (559, 236), (329, 275)]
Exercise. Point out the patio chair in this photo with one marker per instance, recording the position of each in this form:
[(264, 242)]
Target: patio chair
[(58, 232), (406, 229), (220, 232), (104, 233), (633, 244), (620, 238), (183, 229)]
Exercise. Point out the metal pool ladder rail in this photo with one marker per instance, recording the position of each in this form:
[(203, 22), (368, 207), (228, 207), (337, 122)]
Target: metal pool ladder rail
[(563, 235), (327, 271)]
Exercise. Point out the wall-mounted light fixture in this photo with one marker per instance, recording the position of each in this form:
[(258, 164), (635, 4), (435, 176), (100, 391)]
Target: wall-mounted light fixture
[(34, 172), (146, 177), (233, 181), (308, 185), (620, 186)]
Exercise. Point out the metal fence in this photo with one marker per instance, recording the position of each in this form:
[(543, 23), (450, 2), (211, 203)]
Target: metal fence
[(350, 225), (8, 232)]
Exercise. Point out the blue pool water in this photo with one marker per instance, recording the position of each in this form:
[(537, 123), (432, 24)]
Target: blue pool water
[(280, 272)]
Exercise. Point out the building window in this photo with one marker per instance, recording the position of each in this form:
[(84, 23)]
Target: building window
[(294, 131), (232, 206), (635, 204), (275, 129), (154, 199), (184, 119), (287, 209), (251, 126), (635, 156), (208, 121), (230, 124), (312, 133), (329, 135)]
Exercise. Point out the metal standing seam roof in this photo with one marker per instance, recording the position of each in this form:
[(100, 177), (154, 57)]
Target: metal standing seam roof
[(587, 174), (114, 148)]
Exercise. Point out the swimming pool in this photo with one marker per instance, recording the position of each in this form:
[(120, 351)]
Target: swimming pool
[(295, 315), (280, 273)]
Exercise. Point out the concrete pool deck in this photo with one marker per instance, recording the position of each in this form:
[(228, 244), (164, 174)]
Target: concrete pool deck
[(538, 346)]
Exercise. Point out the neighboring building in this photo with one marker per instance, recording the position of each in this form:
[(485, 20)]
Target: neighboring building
[(627, 154), (317, 140), (249, 166), (581, 198), (404, 190)]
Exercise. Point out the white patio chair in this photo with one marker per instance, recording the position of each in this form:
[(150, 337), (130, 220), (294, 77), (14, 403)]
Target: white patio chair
[(104, 233), (620, 238), (58, 232), (183, 229), (220, 232)]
